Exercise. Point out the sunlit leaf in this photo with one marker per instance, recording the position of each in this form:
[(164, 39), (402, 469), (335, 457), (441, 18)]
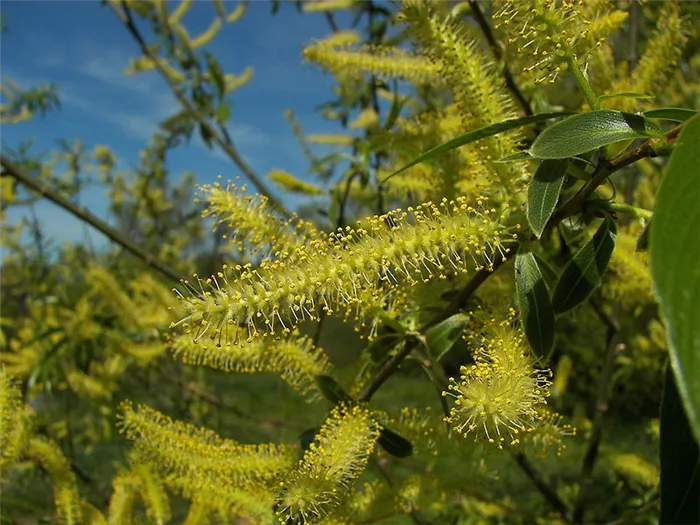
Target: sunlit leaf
[(589, 131)]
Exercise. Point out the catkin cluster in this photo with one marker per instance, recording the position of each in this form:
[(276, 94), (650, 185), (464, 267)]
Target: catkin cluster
[(353, 270), (551, 34), (252, 225), (295, 358), (499, 397), (330, 466)]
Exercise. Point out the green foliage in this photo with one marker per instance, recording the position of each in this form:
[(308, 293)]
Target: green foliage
[(543, 193), (585, 270), (589, 131), (674, 252), (536, 312), (680, 459)]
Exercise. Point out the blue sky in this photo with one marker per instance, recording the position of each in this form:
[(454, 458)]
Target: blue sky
[(82, 47)]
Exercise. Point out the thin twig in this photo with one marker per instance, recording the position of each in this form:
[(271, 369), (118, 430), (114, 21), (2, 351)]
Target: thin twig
[(470, 288), (387, 371), (545, 489), (601, 408), (228, 147), (84, 215), (640, 510)]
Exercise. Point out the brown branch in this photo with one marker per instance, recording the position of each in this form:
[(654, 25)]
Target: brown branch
[(386, 371), (84, 215), (228, 147), (601, 408)]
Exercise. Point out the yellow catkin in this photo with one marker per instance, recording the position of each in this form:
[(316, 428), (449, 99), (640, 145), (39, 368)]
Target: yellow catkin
[(65, 492), (291, 184), (382, 62), (476, 85), (92, 516), (226, 503), (199, 457), (498, 398), (296, 359), (233, 82), (331, 139), (206, 36), (330, 466), (635, 468), (125, 487), (253, 226), (152, 493), (546, 35), (313, 6), (198, 513), (406, 247), (15, 422), (180, 11), (658, 61)]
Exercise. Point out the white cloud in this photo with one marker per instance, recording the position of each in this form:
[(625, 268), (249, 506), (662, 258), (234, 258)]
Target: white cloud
[(107, 66)]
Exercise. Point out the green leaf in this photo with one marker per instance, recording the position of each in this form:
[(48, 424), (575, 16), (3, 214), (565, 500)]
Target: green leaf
[(550, 275), (382, 345), (674, 254), (588, 131), (480, 133), (543, 193), (332, 391), (536, 313), (584, 272), (394, 444), (680, 460), (206, 135), (307, 437), (623, 95), (216, 74), (443, 335), (673, 114), (222, 113)]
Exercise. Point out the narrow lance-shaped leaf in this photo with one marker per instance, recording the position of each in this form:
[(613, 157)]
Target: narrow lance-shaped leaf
[(680, 460), (332, 391), (543, 193), (480, 133), (206, 135), (536, 313), (379, 349), (585, 271), (674, 253), (589, 131), (550, 275), (672, 114), (394, 444), (623, 95), (442, 336)]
